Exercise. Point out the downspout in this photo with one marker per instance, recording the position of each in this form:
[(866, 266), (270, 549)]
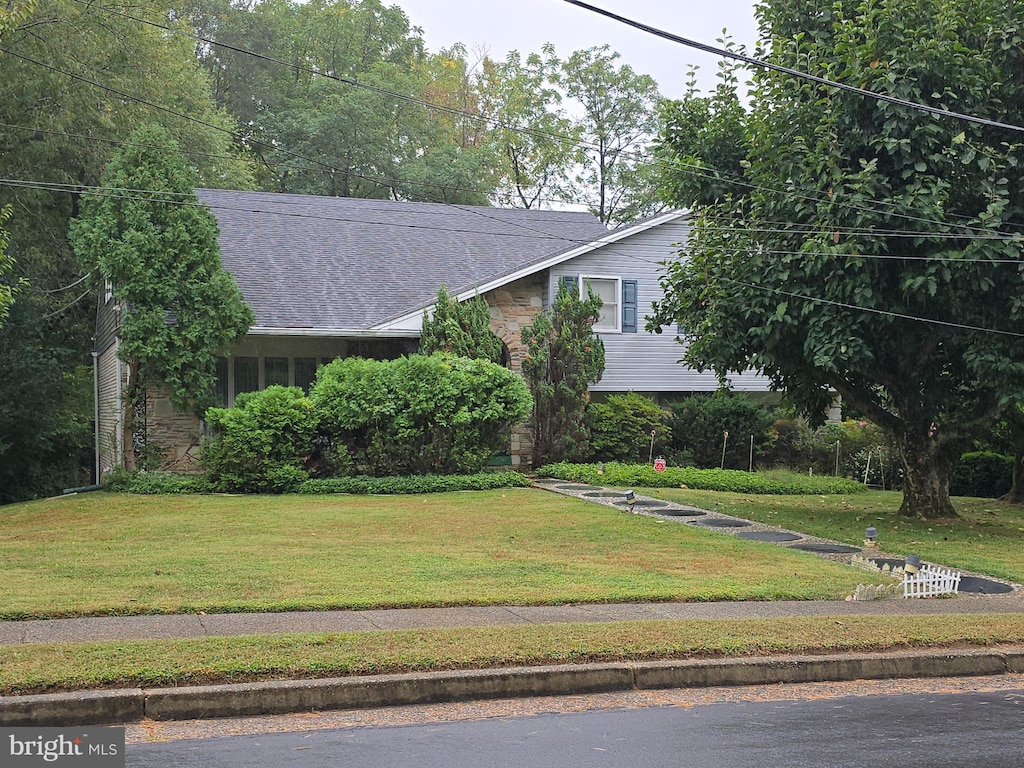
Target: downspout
[(119, 392), (96, 412)]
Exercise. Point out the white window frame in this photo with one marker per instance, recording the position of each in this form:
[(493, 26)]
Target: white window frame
[(584, 279), (108, 290)]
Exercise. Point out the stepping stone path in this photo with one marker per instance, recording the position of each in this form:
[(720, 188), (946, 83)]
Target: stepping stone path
[(751, 531)]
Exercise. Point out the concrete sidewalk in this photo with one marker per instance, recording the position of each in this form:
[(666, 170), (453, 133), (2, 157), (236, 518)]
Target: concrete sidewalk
[(214, 625), (278, 697)]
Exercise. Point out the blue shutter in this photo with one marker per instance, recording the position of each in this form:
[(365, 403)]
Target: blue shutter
[(572, 283), (629, 306)]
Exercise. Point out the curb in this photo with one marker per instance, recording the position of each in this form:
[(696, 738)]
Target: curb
[(128, 705)]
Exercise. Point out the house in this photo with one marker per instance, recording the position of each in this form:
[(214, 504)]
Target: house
[(332, 277)]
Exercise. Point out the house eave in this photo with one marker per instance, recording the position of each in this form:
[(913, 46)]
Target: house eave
[(335, 333)]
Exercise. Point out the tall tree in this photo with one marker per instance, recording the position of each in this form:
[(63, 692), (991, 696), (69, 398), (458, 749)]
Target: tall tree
[(536, 142), (158, 247), (702, 145), (563, 358), (76, 78), (337, 100), (620, 113), (877, 251)]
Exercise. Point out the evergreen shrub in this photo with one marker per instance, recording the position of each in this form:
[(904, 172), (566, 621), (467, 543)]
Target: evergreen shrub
[(983, 474), (621, 426), (262, 443), (436, 414)]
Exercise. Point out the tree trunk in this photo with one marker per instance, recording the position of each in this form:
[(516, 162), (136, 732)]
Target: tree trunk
[(928, 464), (1016, 493)]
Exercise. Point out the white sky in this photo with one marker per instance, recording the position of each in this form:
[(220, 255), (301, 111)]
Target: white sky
[(498, 26)]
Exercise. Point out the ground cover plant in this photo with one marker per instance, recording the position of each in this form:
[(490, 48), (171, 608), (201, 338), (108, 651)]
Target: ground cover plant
[(986, 539), (103, 553), (38, 668), (634, 475)]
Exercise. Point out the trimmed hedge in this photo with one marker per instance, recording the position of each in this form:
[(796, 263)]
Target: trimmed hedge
[(418, 414), (482, 481), (259, 445), (644, 476), (149, 483)]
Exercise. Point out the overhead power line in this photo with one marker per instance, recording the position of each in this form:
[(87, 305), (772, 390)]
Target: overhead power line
[(169, 199), (871, 310), (811, 195), (762, 64)]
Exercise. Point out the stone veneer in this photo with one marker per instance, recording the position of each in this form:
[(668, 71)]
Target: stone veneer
[(513, 307), (172, 435)]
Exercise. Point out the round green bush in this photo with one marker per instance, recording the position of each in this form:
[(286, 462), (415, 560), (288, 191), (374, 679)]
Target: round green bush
[(261, 444)]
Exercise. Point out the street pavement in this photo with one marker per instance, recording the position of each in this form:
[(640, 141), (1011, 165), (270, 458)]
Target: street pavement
[(949, 730), (127, 705)]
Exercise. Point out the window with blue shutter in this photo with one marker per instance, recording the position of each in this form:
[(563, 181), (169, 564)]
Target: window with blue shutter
[(572, 283), (629, 314)]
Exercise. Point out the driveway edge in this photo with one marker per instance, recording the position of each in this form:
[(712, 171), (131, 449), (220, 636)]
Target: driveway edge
[(288, 696)]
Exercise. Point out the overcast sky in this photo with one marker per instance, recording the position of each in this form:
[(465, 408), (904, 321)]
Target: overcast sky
[(497, 26)]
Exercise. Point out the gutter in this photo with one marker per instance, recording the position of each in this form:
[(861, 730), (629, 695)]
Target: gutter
[(365, 333)]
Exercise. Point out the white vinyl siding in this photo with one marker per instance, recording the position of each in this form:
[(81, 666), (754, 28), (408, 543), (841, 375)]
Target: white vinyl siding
[(644, 361)]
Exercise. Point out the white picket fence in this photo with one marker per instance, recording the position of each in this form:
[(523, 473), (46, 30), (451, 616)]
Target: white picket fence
[(931, 580)]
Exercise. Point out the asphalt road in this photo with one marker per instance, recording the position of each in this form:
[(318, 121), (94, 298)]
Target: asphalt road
[(937, 730)]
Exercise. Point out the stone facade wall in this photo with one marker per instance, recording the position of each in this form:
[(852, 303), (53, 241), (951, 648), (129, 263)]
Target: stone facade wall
[(173, 436), (513, 307)]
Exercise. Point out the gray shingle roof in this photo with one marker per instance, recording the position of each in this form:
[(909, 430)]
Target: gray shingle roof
[(347, 263)]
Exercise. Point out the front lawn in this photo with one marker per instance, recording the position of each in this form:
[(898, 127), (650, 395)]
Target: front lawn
[(103, 553)]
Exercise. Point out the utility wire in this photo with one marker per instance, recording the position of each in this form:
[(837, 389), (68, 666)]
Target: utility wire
[(63, 288), (779, 227), (540, 236), (898, 315), (383, 181), (491, 121), (761, 63), (180, 198), (66, 307)]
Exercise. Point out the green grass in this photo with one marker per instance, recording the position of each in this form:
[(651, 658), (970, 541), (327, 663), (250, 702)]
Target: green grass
[(39, 668), (102, 553), (987, 539)]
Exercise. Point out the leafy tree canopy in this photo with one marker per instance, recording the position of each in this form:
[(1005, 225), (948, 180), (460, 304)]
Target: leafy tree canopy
[(620, 108), (876, 249)]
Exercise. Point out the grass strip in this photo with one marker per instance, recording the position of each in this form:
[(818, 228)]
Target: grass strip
[(37, 668)]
